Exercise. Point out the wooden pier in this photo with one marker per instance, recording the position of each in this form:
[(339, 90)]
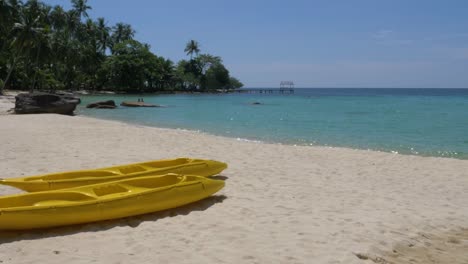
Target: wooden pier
[(286, 87), (266, 91)]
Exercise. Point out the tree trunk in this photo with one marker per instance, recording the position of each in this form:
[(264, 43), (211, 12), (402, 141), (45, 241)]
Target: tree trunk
[(10, 71), (37, 68)]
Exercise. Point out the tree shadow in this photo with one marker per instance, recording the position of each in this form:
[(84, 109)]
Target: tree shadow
[(133, 221)]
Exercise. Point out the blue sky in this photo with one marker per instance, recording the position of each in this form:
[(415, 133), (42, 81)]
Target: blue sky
[(328, 43)]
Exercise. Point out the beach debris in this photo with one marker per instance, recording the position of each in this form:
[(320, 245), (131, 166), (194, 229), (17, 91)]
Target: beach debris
[(138, 104), (109, 104), (38, 103)]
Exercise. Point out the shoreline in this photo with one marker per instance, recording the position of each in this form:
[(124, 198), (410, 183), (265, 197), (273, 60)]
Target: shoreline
[(453, 153), (395, 131), (281, 203), (7, 104), (258, 141), (393, 152)]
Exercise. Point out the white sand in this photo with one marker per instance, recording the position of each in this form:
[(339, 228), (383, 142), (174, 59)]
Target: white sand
[(281, 204), (7, 102)]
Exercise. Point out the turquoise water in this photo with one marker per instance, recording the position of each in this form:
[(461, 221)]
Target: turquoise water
[(429, 122)]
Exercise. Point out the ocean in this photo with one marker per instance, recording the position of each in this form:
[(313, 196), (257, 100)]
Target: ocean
[(427, 122)]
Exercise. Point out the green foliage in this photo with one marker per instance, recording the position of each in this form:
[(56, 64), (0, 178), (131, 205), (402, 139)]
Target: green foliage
[(234, 83), (80, 8), (205, 72), (217, 77), (49, 48), (133, 68), (126, 66), (121, 32)]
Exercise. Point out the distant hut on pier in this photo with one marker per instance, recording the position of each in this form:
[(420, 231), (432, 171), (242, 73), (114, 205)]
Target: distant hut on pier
[(287, 86)]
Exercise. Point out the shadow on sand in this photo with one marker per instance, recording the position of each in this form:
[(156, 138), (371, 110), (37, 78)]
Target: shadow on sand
[(132, 221), (219, 177)]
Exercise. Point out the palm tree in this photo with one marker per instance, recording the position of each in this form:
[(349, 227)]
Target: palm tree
[(58, 18), (9, 10), (103, 35), (192, 47), (121, 32), (6, 22), (167, 72), (35, 52), (205, 61), (6, 9), (27, 36), (63, 43), (80, 7), (41, 50)]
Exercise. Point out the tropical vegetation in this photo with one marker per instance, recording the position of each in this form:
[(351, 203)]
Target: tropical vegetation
[(45, 47)]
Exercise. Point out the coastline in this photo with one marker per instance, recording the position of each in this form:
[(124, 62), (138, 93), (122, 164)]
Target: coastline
[(272, 142), (281, 203), (378, 123)]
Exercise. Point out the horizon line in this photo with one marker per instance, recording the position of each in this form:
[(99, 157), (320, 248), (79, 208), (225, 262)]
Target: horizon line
[(351, 87)]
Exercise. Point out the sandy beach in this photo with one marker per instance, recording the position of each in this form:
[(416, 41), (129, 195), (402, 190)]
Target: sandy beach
[(7, 102), (281, 203)]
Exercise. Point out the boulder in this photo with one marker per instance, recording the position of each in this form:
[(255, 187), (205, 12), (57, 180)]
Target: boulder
[(70, 97), (38, 103), (138, 104), (105, 107), (109, 104)]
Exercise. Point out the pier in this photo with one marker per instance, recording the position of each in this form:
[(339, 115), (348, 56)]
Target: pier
[(265, 91), (286, 87)]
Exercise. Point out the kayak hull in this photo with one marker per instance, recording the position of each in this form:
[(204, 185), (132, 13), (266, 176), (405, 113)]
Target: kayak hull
[(63, 180), (103, 201)]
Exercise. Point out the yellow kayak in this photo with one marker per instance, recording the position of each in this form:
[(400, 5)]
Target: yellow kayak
[(103, 201), (56, 181)]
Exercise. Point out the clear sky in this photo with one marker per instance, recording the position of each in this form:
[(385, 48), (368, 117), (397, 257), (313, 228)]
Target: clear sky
[(326, 43)]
